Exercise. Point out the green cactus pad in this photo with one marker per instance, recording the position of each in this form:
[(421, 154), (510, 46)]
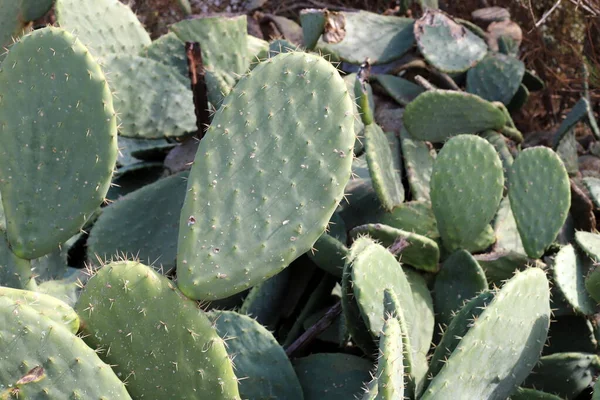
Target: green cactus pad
[(447, 45), (11, 24), (261, 365), (399, 89), (47, 306), (143, 224), (385, 171), (258, 50), (15, 272), (421, 252), (313, 23), (501, 265), (437, 115), (533, 82), (236, 186), (381, 38), (513, 341), (71, 370), (332, 376), (499, 142), (263, 302), (418, 161), (116, 314), (592, 284), (505, 227), (414, 216), (590, 243), (329, 254), (460, 279), (564, 374), (57, 86), (281, 46), (106, 27), (593, 186), (459, 326), (390, 365), (540, 197), (224, 41), (151, 99), (578, 113), (66, 289), (134, 177), (569, 272), (169, 50), (532, 394), (496, 78), (519, 99), (466, 189)]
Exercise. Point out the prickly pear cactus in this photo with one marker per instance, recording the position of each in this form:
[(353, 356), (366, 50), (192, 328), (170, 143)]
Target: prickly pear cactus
[(293, 141), (59, 100)]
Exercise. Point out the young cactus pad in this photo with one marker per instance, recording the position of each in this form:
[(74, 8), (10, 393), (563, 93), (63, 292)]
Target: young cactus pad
[(151, 330), (267, 177), (54, 99)]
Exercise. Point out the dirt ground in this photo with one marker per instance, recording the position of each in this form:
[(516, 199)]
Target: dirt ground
[(554, 47)]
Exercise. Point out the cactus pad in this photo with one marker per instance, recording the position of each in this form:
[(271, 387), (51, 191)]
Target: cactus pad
[(447, 45), (418, 161), (437, 115), (105, 26), (569, 273), (118, 317), (236, 186), (59, 100), (496, 78), (466, 189), (390, 364), (540, 197), (513, 341), (70, 369), (399, 89)]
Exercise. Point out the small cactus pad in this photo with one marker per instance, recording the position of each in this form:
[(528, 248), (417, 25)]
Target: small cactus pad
[(383, 167), (224, 41), (11, 24), (143, 224), (294, 105), (513, 340), (505, 227), (15, 272), (331, 376), (447, 45), (313, 23), (466, 189), (540, 197), (399, 89), (496, 78), (460, 279), (47, 306), (437, 115), (569, 272), (151, 99), (55, 99), (261, 365), (578, 113), (418, 161), (104, 26), (420, 251), (139, 335), (356, 36), (69, 368), (390, 365), (593, 186), (590, 243)]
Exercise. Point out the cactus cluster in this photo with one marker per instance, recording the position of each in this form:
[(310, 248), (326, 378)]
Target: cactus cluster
[(351, 216)]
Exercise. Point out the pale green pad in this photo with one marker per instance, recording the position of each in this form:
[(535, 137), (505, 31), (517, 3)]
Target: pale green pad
[(146, 326), (264, 370), (569, 273), (390, 366), (437, 115), (466, 189), (590, 243), (540, 197), (267, 177), (105, 26), (59, 101), (505, 227), (513, 341), (385, 172), (418, 161), (151, 99), (381, 38), (71, 369), (447, 45)]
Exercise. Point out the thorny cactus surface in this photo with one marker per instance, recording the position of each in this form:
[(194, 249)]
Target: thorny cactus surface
[(212, 216)]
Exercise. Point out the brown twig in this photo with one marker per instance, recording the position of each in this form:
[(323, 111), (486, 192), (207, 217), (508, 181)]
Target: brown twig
[(314, 331), (197, 72)]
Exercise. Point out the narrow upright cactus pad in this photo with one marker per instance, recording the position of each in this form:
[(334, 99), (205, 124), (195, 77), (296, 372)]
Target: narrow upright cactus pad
[(54, 99), (437, 115), (447, 45), (267, 177), (151, 330), (540, 197), (69, 368), (570, 270), (105, 26), (15, 272), (390, 366), (466, 189), (513, 340)]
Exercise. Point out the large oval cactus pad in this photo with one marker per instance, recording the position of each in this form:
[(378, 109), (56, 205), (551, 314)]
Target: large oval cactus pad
[(267, 177), (59, 140)]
